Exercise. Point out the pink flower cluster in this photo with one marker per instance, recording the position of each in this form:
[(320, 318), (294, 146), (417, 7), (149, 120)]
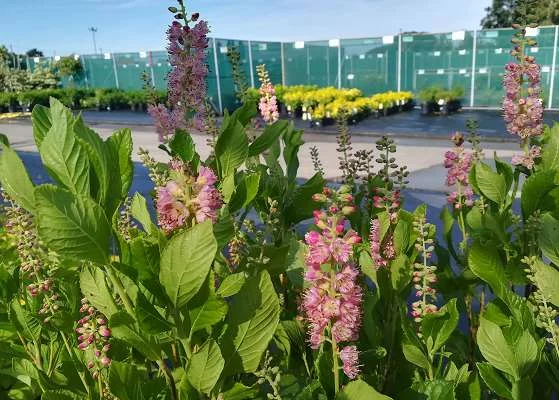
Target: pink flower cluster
[(186, 83), (458, 163), (166, 121), (527, 160), (186, 199), (268, 105), (94, 334), (523, 108), (350, 358), (382, 249), (332, 302)]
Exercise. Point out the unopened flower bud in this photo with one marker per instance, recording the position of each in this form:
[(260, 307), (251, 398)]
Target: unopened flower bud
[(195, 17), (319, 197), (347, 210)]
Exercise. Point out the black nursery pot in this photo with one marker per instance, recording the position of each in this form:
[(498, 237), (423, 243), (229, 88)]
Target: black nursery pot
[(428, 108)]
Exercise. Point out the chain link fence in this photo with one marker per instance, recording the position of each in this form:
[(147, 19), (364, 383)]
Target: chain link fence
[(473, 60)]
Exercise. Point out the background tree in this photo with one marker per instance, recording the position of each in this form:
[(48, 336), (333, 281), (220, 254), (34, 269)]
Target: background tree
[(68, 67), (34, 52), (503, 13)]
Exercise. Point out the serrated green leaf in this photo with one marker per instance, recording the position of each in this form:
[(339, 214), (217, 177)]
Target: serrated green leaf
[(63, 157), (140, 212), (492, 379), (72, 225), (15, 180), (495, 349), (268, 137), (186, 261), (492, 185), (439, 326), (205, 366), (212, 311), (41, 123), (549, 238), (534, 189), (94, 287), (301, 205), (231, 149), (359, 390), (231, 285), (182, 145), (252, 321)]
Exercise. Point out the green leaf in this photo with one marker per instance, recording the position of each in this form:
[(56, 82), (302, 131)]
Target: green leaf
[(63, 157), (439, 390), (4, 140), (98, 156), (400, 272), (550, 150), (245, 191), (74, 226), (492, 379), (186, 261), (15, 180), (205, 367), (505, 170), (292, 140), (119, 145), (140, 212), (547, 281), (62, 394), (495, 349), (492, 185), (41, 123), (534, 189), (439, 326), (26, 324), (485, 262), (360, 390), (241, 392), (251, 323), (125, 381), (415, 355), (149, 318), (245, 113), (231, 285), (94, 287), (182, 145), (231, 148), (324, 366), (522, 390), (527, 354), (301, 205), (268, 137), (124, 327), (212, 311), (549, 238)]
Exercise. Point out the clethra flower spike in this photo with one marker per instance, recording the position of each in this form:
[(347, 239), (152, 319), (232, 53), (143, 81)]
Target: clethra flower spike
[(333, 298)]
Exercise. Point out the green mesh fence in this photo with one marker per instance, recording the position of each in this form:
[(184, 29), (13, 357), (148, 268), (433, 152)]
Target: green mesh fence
[(472, 60)]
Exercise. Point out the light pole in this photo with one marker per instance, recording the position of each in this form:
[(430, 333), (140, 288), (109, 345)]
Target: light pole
[(93, 30)]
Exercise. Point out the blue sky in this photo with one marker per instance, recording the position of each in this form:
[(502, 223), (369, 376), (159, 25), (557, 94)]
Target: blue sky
[(60, 26)]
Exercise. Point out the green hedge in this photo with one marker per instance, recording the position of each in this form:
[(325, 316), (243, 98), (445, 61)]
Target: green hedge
[(101, 99)]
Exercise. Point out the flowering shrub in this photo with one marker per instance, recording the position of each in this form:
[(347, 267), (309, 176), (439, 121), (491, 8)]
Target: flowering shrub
[(243, 282)]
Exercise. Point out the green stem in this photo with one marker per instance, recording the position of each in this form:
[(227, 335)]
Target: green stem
[(73, 357), (169, 378), (335, 364)]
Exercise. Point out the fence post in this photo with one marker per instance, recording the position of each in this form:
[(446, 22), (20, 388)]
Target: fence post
[(554, 58), (400, 62), (113, 56), (473, 81), (340, 65), (151, 70), (282, 55), (217, 79), (250, 63), (82, 61)]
